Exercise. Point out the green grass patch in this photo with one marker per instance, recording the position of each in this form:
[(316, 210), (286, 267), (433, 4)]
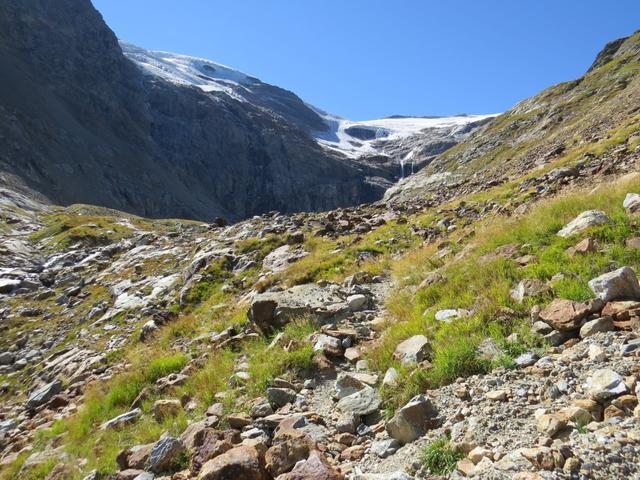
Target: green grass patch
[(439, 457)]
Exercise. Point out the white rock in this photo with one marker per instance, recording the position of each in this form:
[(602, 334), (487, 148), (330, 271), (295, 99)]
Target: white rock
[(621, 284), (125, 418), (602, 324), (390, 377), (413, 350), (631, 202), (356, 302), (587, 219), (604, 384), (596, 353), (449, 314)]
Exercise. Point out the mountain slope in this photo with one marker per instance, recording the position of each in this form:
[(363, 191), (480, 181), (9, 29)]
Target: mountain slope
[(383, 145), (568, 124), (81, 123)]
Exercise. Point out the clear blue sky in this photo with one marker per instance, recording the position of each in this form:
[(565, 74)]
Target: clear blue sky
[(372, 58)]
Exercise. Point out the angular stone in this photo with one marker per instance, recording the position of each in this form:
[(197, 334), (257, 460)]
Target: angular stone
[(328, 345), (543, 458), (44, 394), (529, 287), (564, 315), (412, 420), (550, 424), (621, 284), (352, 354), (413, 350), (478, 453), (630, 348), (604, 384), (210, 444), (489, 350), (7, 358), (586, 245), (363, 402), (120, 420), (575, 414), (239, 463), (390, 377), (602, 324), (164, 453), (621, 309), (166, 408), (526, 359), (135, 457), (279, 397), (287, 451), (384, 448), (631, 202), (347, 384), (316, 467), (497, 395), (590, 218), (8, 285), (449, 314)]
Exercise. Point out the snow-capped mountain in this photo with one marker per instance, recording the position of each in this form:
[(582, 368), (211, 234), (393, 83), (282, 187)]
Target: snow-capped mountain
[(212, 77), (353, 139), (87, 119)]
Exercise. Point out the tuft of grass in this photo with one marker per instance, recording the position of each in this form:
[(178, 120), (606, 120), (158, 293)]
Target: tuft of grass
[(439, 457), (213, 377), (290, 355), (105, 402)]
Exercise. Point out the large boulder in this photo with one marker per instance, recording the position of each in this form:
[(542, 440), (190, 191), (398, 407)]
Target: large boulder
[(605, 384), (272, 310), (621, 284), (413, 350), (564, 315), (239, 463), (164, 454), (411, 421), (43, 394), (590, 218), (361, 403)]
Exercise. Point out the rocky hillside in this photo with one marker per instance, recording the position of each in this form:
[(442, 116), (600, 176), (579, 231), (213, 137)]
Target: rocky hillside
[(568, 126), (481, 324)]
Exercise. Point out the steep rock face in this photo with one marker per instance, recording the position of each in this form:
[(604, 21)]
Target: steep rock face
[(569, 123), (81, 124)]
